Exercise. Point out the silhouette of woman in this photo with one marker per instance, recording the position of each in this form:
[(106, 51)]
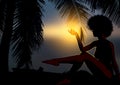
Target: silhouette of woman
[(103, 64)]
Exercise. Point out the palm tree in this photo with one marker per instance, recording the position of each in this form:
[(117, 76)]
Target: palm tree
[(7, 14), (2, 13), (22, 26), (27, 33)]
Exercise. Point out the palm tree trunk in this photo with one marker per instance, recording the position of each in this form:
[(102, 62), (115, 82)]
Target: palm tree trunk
[(6, 37)]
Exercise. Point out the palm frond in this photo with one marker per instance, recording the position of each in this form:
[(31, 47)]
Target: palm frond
[(112, 11), (110, 8), (27, 33), (7, 21), (2, 14)]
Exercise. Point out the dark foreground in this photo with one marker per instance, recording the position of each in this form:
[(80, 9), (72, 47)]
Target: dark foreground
[(46, 78)]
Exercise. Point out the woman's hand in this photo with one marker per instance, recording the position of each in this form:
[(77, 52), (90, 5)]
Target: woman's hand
[(72, 32)]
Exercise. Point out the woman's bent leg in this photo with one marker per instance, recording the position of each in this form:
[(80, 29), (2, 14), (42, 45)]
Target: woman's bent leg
[(70, 59), (96, 67)]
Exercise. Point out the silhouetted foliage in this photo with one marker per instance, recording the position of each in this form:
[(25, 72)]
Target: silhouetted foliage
[(2, 13), (7, 22), (27, 33), (21, 24), (110, 8)]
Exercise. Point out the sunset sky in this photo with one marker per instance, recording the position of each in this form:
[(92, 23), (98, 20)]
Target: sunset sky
[(58, 42)]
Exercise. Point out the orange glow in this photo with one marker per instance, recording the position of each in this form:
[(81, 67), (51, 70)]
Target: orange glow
[(74, 25), (59, 33), (80, 28), (57, 30)]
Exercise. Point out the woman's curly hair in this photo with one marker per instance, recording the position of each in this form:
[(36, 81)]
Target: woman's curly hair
[(101, 25)]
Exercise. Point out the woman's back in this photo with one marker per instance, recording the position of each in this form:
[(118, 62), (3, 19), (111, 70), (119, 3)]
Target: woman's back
[(104, 52)]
